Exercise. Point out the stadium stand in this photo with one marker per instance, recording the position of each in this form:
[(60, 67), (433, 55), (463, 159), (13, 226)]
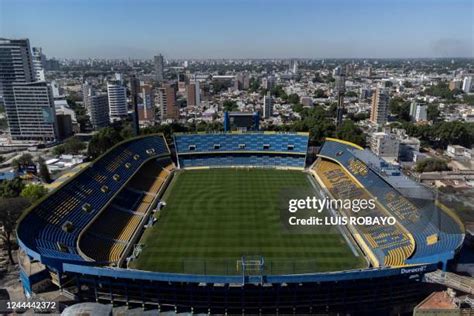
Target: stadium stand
[(42, 229), (115, 226), (242, 149), (383, 244), (435, 231)]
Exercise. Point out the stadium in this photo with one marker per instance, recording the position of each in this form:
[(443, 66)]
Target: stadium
[(194, 225)]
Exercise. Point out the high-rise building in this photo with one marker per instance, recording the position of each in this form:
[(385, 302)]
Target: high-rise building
[(293, 66), (134, 91), (52, 64), (146, 109), (455, 84), (97, 106), (267, 106), (147, 95), (36, 112), (191, 93), (268, 83), (65, 127), (418, 111), (467, 84), (364, 93), (198, 92), (413, 106), (57, 89), (98, 110), (242, 81), (29, 105), (117, 96), (159, 68), (385, 145), (16, 64), (87, 91), (39, 62), (370, 71), (337, 71), (421, 113), (379, 111), (118, 77), (340, 88), (194, 93), (167, 97), (350, 69)]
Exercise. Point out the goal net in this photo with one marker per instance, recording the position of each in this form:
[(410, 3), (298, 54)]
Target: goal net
[(250, 265)]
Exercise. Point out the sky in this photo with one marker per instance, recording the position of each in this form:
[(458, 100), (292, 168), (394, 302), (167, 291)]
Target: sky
[(243, 28)]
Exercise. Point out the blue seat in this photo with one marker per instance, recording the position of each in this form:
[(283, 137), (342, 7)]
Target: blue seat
[(429, 219), (244, 149), (42, 228)]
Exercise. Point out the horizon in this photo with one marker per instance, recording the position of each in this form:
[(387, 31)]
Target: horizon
[(261, 29)]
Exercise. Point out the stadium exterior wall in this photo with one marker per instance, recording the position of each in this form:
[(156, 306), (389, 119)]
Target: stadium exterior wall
[(375, 292), (237, 279)]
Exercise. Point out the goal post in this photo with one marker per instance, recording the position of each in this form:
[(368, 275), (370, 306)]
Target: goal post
[(250, 265)]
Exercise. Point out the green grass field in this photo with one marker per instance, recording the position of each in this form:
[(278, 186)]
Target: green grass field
[(214, 217)]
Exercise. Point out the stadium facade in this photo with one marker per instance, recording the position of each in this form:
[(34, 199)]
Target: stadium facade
[(70, 239)]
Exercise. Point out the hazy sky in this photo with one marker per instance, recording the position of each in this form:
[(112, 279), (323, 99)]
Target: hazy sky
[(243, 28)]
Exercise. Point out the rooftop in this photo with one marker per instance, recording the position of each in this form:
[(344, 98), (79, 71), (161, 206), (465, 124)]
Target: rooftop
[(438, 300)]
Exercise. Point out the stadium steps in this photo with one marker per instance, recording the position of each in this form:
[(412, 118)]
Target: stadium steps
[(102, 249), (118, 208), (107, 238)]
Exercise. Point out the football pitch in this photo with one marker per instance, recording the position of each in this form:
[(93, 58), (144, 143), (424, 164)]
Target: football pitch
[(214, 217)]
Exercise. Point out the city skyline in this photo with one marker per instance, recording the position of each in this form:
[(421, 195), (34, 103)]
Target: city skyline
[(243, 29)]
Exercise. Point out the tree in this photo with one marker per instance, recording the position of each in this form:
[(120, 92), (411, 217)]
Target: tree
[(293, 98), (72, 146), (44, 171), (230, 105), (10, 211), (254, 85), (407, 84), (469, 99), (358, 116), (319, 93), (401, 108), (297, 107), (432, 112), (431, 164), (23, 160), (316, 121), (278, 92), (441, 90), (127, 131), (351, 132), (351, 94), (166, 129), (105, 139), (442, 134), (218, 86), (34, 192), (317, 78), (11, 188)]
